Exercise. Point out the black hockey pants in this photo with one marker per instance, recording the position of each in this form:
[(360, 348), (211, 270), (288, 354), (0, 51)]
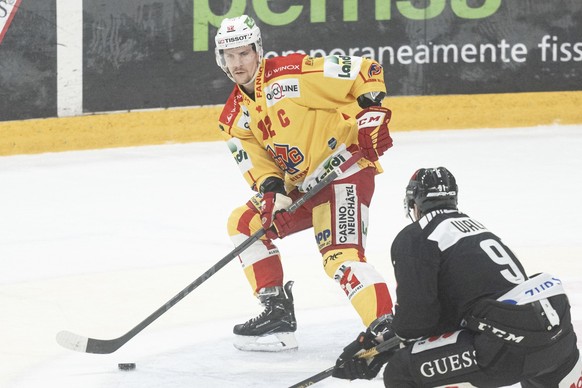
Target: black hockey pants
[(504, 345)]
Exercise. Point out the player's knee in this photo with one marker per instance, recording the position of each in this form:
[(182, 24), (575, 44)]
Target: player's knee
[(334, 258), (243, 220), (233, 221)]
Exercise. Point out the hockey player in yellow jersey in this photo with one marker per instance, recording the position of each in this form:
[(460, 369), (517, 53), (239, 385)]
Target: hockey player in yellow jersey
[(284, 126)]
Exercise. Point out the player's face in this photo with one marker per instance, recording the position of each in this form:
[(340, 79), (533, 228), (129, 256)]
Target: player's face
[(242, 63)]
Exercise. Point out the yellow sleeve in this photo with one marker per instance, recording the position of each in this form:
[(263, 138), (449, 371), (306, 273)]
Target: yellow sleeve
[(335, 81), (254, 162)]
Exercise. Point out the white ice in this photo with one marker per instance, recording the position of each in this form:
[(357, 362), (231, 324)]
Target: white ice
[(95, 241)]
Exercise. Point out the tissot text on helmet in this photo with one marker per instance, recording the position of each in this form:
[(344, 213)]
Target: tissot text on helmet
[(204, 17), (235, 39)]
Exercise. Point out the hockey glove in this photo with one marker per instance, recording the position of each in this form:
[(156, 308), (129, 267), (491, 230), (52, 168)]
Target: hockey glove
[(274, 218), (373, 133), (350, 367)]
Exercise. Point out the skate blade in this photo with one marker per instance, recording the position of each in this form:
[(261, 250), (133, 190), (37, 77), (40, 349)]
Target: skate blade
[(276, 342)]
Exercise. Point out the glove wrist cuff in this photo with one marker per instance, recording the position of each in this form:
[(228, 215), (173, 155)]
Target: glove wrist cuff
[(272, 184)]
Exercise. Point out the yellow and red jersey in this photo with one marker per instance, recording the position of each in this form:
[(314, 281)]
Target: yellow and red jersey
[(293, 128)]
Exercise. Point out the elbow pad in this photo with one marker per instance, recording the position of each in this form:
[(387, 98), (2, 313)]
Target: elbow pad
[(369, 99)]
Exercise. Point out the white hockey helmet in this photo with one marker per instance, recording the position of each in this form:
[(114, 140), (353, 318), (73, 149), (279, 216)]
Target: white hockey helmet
[(237, 32)]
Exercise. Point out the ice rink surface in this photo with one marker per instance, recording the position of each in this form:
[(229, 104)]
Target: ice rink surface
[(95, 241)]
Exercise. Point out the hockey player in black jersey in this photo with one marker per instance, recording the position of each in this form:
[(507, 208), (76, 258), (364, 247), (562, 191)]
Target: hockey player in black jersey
[(466, 311)]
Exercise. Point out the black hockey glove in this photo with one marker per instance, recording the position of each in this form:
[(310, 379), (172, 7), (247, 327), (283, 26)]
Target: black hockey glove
[(350, 366)]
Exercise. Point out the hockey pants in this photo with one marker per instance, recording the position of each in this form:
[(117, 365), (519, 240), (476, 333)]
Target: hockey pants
[(339, 217), (489, 360)]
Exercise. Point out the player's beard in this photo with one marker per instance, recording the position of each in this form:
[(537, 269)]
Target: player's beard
[(247, 79)]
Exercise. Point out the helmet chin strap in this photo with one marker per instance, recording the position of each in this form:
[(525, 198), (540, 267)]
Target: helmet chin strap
[(411, 218), (251, 83), (416, 211)]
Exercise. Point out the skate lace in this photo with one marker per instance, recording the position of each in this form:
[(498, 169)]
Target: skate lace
[(267, 304)]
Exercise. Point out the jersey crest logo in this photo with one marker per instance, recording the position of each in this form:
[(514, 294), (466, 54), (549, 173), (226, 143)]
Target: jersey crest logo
[(286, 157)]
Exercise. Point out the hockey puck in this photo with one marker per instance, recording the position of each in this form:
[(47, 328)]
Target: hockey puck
[(126, 366)]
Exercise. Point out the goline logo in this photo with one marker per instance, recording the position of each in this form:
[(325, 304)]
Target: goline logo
[(8, 9), (282, 89)]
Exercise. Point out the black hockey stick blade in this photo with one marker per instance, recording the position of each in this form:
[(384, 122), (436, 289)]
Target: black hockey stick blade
[(84, 344), (385, 346), (314, 379)]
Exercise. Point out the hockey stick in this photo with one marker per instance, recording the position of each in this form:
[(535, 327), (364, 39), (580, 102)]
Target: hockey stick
[(84, 344), (385, 346)]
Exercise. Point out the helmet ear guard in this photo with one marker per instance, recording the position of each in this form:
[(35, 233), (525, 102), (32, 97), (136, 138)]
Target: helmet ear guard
[(431, 189), (411, 191)]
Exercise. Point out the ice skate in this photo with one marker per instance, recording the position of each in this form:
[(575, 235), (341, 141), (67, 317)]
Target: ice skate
[(273, 329)]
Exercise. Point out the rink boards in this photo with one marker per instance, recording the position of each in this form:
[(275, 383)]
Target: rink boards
[(184, 125)]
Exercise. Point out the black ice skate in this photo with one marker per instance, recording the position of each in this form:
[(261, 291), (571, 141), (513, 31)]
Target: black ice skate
[(272, 330)]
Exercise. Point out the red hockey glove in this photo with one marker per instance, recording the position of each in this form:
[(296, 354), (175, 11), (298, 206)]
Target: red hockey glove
[(373, 133), (274, 218)]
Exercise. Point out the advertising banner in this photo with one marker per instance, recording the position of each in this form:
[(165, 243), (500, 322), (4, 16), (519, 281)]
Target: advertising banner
[(8, 9), (27, 59), (146, 54)]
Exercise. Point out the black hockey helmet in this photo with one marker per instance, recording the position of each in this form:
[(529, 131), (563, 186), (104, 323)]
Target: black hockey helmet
[(430, 189)]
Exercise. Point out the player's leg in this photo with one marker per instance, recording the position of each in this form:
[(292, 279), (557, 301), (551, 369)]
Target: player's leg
[(340, 221), (261, 263), (558, 364), (447, 360), (566, 375)]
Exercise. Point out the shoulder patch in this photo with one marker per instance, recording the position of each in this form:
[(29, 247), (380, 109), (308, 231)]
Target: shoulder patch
[(240, 155), (342, 67), (374, 70), (279, 66)]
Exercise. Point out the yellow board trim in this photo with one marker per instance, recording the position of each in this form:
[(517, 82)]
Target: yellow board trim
[(185, 125)]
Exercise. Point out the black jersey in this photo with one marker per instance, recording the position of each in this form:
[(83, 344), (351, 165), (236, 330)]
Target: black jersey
[(443, 264)]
